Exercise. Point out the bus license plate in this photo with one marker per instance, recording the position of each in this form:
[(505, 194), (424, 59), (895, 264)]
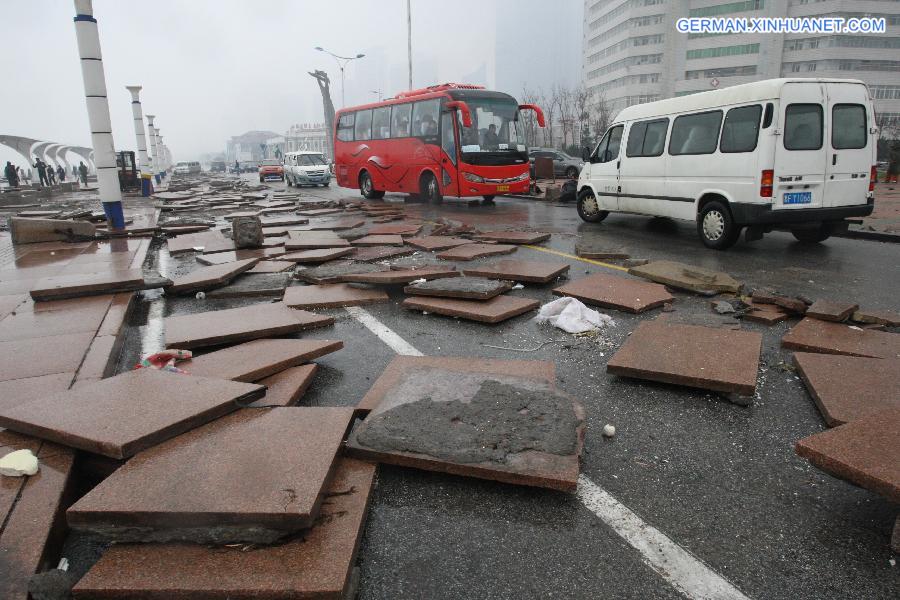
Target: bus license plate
[(798, 198), (502, 188)]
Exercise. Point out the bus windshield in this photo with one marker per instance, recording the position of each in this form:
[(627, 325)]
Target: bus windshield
[(495, 129)]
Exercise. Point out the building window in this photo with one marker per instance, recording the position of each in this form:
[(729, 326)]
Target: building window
[(723, 51), (724, 9)]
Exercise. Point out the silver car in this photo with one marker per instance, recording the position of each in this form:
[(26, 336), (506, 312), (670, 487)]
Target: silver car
[(563, 164)]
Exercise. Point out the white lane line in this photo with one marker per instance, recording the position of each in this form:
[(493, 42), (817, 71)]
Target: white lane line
[(677, 566)]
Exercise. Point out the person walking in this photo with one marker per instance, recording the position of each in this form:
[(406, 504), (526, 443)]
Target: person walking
[(894, 163), (21, 173), (12, 178), (60, 174), (51, 175), (83, 170), (74, 172), (41, 168)]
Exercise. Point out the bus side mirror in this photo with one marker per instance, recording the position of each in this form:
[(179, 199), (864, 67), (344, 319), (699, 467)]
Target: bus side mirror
[(586, 154), (537, 110), (463, 109)]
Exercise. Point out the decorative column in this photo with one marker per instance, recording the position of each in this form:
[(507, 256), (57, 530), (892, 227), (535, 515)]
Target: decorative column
[(153, 151), (163, 162), (98, 112), (140, 137)]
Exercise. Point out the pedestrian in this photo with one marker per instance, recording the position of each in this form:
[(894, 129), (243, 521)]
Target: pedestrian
[(894, 163), (42, 171), (82, 170), (12, 178), (60, 173), (237, 167), (74, 172), (21, 173), (51, 175)]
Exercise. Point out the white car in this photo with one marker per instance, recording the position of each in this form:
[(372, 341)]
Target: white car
[(306, 168)]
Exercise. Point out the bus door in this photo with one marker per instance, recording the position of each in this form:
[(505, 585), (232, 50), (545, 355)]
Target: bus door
[(850, 150), (801, 152), (449, 156)]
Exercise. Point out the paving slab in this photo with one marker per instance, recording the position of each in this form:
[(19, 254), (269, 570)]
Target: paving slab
[(470, 288), (263, 476), (864, 452), (206, 241), (830, 310), (271, 266), (379, 253), (206, 278), (311, 240), (473, 251), (318, 212), (847, 388), (287, 387), (599, 250), (30, 231), (710, 358), (221, 258), (495, 310), (513, 237), (397, 276), (283, 221), (877, 317), (337, 272), (332, 296), (250, 285), (687, 277), (74, 286), (402, 228), (317, 565), (338, 224), (432, 243), (530, 271), (256, 360), (768, 314), (316, 256), (378, 240), (34, 357), (612, 291), (30, 323), (813, 335), (14, 392), (234, 325), (122, 415)]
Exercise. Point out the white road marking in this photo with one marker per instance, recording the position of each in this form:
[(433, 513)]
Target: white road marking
[(677, 566)]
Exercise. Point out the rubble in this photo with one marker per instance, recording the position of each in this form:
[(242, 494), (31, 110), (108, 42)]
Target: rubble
[(879, 317), (612, 291), (379, 253), (471, 288), (247, 232), (813, 335), (513, 237), (337, 272), (256, 360), (687, 277), (378, 240), (828, 310), (250, 285), (433, 243), (520, 270), (395, 276), (473, 251), (310, 240), (332, 296), (495, 310), (207, 278)]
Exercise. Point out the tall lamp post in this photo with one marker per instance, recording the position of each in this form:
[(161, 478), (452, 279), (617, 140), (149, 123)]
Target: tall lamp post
[(342, 62), (141, 138)]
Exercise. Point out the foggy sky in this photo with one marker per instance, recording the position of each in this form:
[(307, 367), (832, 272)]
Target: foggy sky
[(213, 69)]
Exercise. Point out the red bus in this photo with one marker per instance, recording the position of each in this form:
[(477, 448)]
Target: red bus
[(445, 140)]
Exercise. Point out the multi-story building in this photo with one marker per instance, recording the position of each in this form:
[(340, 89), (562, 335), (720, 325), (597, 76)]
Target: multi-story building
[(307, 136), (248, 146), (632, 52)]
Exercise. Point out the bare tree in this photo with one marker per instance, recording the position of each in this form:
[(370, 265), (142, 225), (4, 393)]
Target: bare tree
[(566, 108), (600, 116), (548, 103), (583, 98), (529, 121)]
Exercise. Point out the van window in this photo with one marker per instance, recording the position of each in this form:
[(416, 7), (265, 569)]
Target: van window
[(608, 148), (647, 138), (400, 120), (425, 117), (363, 127), (381, 123), (741, 129), (848, 126), (803, 127), (767, 118), (345, 128), (695, 134)]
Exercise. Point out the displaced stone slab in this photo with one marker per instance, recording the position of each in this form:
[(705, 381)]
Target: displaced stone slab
[(612, 291), (310, 240), (318, 212), (495, 310), (864, 452), (337, 272), (316, 256), (283, 221), (531, 271), (14, 392), (74, 286), (30, 231), (258, 359), (768, 314), (271, 266), (721, 360), (473, 251), (221, 258), (238, 325), (339, 224), (207, 241), (432, 243), (378, 240), (514, 237), (829, 310), (332, 296), (402, 228), (249, 285), (122, 415), (813, 335), (287, 387), (210, 277), (847, 388), (397, 276), (471, 288), (687, 277), (317, 565), (599, 251), (877, 317), (263, 476), (377, 253), (34, 357)]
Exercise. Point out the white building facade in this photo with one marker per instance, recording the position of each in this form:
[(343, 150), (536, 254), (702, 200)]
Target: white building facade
[(307, 136)]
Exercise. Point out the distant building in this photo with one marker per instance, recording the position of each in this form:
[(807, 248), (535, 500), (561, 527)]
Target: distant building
[(252, 145), (632, 52), (307, 136)]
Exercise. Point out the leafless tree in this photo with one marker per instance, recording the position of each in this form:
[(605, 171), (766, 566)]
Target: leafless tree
[(600, 115), (529, 120), (583, 99), (548, 102), (566, 109)]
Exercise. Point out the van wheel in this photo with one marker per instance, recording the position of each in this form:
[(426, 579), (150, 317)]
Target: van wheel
[(812, 236), (431, 192), (367, 188), (589, 208), (716, 227)]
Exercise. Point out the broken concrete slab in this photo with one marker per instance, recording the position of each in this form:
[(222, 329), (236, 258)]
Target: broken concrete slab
[(495, 310), (234, 325), (877, 317), (471, 288), (247, 232), (864, 452), (405, 275), (768, 314), (612, 291), (513, 237), (316, 256), (704, 357), (316, 565), (287, 387), (253, 361), (687, 277), (30, 231), (311, 240), (813, 335), (153, 498), (74, 286), (847, 388), (271, 266), (829, 310), (337, 272), (377, 253), (122, 415), (793, 305), (332, 296), (473, 251), (378, 240), (531, 271), (206, 278), (249, 285), (433, 243)]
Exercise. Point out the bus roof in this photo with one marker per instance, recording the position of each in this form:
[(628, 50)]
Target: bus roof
[(747, 92), (457, 91)]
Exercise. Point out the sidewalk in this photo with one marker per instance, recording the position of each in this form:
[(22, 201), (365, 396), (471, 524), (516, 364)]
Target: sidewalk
[(883, 224)]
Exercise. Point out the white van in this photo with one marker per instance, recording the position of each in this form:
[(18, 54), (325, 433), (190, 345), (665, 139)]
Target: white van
[(795, 154), (187, 168), (306, 168)]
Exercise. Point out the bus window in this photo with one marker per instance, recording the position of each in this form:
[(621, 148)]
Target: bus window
[(424, 117), (848, 126), (803, 127), (741, 129), (381, 123), (363, 127), (695, 134), (448, 139), (345, 128), (400, 120)]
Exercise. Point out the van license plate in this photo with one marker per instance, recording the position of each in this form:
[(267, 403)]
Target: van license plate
[(502, 188), (798, 198)]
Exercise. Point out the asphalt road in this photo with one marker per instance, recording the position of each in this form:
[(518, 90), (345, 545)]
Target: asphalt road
[(720, 480)]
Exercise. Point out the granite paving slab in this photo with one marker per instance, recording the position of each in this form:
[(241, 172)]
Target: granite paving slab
[(73, 286), (34, 357), (612, 291), (378, 240), (470, 288), (311, 240), (847, 388), (338, 224), (687, 277), (271, 266), (432, 243), (206, 241), (513, 237), (830, 310), (681, 355), (473, 251), (877, 317), (332, 296), (337, 272), (287, 387), (495, 310), (256, 360), (30, 323), (529, 271), (263, 476), (377, 253), (396, 276), (768, 314), (864, 452), (402, 228), (213, 276), (250, 285), (317, 565), (814, 335), (318, 212), (221, 258), (283, 221), (242, 324), (316, 256), (122, 415), (14, 392)]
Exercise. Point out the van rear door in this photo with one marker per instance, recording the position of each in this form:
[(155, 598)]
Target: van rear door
[(851, 148), (800, 155)]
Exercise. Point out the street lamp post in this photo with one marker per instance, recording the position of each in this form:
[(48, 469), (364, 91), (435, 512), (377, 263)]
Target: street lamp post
[(339, 59), (141, 139)]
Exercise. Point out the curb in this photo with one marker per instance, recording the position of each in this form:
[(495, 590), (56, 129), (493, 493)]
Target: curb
[(872, 236)]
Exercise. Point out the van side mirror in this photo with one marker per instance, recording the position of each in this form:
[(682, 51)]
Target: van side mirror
[(586, 154)]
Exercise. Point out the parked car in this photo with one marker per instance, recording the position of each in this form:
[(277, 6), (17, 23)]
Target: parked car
[(217, 166), (564, 165), (270, 168), (306, 168), (790, 153), (187, 168)]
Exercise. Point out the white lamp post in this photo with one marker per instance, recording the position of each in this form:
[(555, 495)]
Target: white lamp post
[(153, 149), (138, 113)]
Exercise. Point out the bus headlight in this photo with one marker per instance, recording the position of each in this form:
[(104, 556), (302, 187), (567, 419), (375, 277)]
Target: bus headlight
[(473, 177), (521, 177)]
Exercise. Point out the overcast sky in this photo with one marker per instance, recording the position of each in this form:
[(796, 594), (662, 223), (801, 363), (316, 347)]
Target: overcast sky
[(215, 68)]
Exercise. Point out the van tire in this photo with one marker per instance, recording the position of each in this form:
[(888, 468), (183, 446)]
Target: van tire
[(716, 227), (367, 188), (812, 236), (431, 191), (589, 208)]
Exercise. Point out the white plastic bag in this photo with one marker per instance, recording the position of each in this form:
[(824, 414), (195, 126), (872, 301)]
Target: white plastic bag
[(572, 316)]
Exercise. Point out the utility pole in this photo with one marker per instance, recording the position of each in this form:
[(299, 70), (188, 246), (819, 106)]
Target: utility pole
[(409, 40)]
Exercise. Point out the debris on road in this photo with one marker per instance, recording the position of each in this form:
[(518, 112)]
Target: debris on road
[(332, 296), (520, 270), (687, 277), (612, 291), (398, 275), (609, 430), (247, 232), (207, 278), (473, 251), (470, 288), (30, 231), (876, 317), (572, 316), (256, 360), (513, 237), (495, 310), (813, 335), (829, 310)]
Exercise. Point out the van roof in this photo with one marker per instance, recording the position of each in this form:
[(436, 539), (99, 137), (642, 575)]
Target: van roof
[(747, 92)]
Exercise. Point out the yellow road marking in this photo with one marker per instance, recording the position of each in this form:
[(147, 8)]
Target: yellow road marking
[(573, 257)]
